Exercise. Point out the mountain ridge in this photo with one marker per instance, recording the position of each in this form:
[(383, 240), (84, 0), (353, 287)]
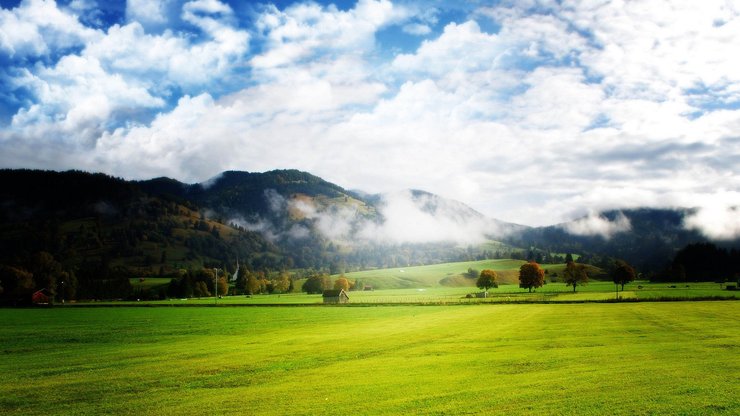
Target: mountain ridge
[(315, 223)]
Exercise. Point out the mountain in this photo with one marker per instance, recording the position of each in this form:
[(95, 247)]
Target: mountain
[(648, 238), (97, 223), (270, 221), (286, 219), (319, 224), (247, 194)]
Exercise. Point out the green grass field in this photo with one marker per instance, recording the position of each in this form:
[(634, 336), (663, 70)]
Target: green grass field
[(445, 274), (579, 359), (595, 291), (445, 284)]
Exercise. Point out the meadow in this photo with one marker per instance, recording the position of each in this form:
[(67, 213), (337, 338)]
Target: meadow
[(446, 284), (595, 291), (444, 274), (579, 359)]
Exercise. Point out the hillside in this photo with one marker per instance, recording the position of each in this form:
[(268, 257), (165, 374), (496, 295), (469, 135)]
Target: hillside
[(453, 274), (286, 219), (318, 224), (248, 194), (93, 223), (648, 238)]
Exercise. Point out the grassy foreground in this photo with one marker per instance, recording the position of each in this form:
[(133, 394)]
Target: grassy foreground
[(637, 358)]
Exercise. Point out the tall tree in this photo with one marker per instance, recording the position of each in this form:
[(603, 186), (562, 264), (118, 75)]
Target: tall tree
[(223, 286), (315, 283), (575, 274), (341, 283), (46, 270), (282, 284), (623, 273), (253, 285), (531, 276), (201, 289), (17, 283), (486, 280), (241, 280)]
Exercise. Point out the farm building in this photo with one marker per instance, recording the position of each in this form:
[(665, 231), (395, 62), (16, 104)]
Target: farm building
[(40, 297), (335, 296), (368, 288)]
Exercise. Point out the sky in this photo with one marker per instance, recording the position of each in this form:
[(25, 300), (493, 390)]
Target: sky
[(532, 111)]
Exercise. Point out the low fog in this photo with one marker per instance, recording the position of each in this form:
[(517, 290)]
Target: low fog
[(595, 224), (401, 217), (410, 217)]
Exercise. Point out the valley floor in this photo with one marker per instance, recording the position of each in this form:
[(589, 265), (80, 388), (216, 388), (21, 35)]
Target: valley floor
[(580, 359), (595, 291)]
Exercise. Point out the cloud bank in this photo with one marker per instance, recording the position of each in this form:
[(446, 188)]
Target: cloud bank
[(598, 225), (402, 217)]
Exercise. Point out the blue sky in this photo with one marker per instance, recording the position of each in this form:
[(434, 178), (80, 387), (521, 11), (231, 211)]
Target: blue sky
[(530, 111)]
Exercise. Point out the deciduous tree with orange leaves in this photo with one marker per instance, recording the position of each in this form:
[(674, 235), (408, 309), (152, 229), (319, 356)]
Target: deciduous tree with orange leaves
[(486, 280), (531, 276), (341, 283)]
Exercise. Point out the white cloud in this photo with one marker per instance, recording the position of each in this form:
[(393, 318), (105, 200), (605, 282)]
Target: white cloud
[(149, 13), (427, 218), (718, 222), (118, 76), (598, 225), (717, 216), (655, 49), (303, 29), (417, 29), (402, 218), (461, 47), (38, 27), (78, 98), (170, 59), (167, 145), (556, 98)]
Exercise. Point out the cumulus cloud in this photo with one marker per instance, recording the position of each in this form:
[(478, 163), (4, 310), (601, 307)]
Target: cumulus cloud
[(77, 97), (148, 12), (461, 47), (298, 32), (39, 27), (598, 225)]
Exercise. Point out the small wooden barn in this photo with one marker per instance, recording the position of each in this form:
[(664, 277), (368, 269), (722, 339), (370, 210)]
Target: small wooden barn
[(336, 296)]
